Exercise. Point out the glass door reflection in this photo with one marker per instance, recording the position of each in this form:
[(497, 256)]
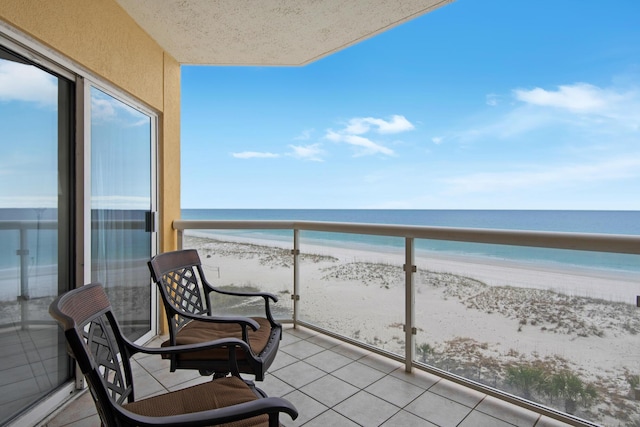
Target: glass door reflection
[(121, 203), (36, 135)]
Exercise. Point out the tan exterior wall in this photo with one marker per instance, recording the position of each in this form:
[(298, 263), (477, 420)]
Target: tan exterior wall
[(169, 156), (101, 37)]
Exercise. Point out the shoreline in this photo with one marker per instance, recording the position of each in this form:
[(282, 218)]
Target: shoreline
[(609, 284)]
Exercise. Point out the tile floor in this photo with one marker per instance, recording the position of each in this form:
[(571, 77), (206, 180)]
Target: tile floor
[(31, 360), (335, 384)]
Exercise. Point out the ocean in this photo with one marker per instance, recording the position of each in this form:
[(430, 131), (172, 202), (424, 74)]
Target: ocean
[(605, 222), (43, 246)]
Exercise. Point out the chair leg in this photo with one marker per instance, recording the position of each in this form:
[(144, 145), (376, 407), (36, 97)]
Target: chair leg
[(217, 375)]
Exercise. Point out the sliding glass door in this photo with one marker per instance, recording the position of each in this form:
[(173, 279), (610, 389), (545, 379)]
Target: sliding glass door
[(36, 228), (122, 227), (77, 204)]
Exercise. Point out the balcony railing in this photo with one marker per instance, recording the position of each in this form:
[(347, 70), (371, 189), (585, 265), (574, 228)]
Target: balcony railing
[(529, 332)]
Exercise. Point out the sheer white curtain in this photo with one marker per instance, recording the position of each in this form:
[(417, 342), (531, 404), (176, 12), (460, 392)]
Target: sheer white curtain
[(120, 201)]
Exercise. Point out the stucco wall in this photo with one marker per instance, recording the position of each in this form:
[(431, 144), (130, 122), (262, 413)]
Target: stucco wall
[(97, 34), (169, 203), (101, 37)]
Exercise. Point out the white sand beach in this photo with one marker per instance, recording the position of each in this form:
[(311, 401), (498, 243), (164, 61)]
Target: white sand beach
[(475, 316)]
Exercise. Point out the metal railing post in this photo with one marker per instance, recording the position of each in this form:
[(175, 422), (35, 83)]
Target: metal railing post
[(180, 238), (296, 275), (409, 328), (23, 252)]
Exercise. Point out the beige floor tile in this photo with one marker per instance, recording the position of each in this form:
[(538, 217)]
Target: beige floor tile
[(507, 412), (299, 374), (438, 410), (457, 393), (366, 409), (329, 390), (405, 419), (358, 374), (328, 361), (395, 391), (307, 407), (479, 419), (302, 349), (331, 418)]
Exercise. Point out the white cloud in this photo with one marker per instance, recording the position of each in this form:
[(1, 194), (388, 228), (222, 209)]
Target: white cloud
[(580, 97), (437, 140), (353, 133), (254, 155), (492, 99), (105, 109), (362, 125), (21, 82), (538, 177), (364, 146), (578, 107), (305, 135), (311, 152)]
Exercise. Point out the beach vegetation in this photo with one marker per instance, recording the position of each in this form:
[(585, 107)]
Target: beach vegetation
[(526, 378), (634, 383), (633, 380), (425, 350), (567, 386)]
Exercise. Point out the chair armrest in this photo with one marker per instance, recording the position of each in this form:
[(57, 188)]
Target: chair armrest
[(228, 414), (264, 295), (240, 320), (187, 348)]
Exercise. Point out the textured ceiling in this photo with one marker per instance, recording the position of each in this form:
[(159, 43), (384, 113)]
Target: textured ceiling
[(267, 32)]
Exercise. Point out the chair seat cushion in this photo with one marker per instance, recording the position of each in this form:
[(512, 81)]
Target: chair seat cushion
[(219, 393), (197, 331)]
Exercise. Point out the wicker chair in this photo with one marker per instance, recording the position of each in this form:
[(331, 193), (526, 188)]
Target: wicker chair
[(102, 352), (186, 296)]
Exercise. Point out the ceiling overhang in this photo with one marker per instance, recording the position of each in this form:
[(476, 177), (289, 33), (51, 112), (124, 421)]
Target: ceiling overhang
[(267, 32)]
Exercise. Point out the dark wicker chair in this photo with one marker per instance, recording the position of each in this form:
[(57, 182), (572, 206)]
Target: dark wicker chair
[(186, 297), (102, 352)]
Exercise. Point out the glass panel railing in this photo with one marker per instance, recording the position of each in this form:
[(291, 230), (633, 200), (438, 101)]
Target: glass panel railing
[(353, 285), (246, 261), (32, 350), (560, 328), (555, 327)]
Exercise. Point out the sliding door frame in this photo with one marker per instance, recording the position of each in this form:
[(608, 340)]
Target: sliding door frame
[(45, 57), (84, 86)]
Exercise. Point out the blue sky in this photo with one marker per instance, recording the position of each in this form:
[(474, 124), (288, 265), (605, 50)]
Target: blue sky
[(478, 105)]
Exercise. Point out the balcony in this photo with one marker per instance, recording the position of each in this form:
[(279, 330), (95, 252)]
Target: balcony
[(345, 359), (333, 383)]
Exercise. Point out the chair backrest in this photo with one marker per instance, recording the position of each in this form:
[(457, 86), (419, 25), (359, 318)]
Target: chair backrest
[(94, 340), (178, 275)]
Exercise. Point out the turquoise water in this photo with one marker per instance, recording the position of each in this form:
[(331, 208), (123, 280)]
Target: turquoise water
[(606, 222), (114, 240), (43, 243)]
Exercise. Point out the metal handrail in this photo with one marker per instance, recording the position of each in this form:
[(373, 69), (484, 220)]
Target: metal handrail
[(24, 226), (613, 243)]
